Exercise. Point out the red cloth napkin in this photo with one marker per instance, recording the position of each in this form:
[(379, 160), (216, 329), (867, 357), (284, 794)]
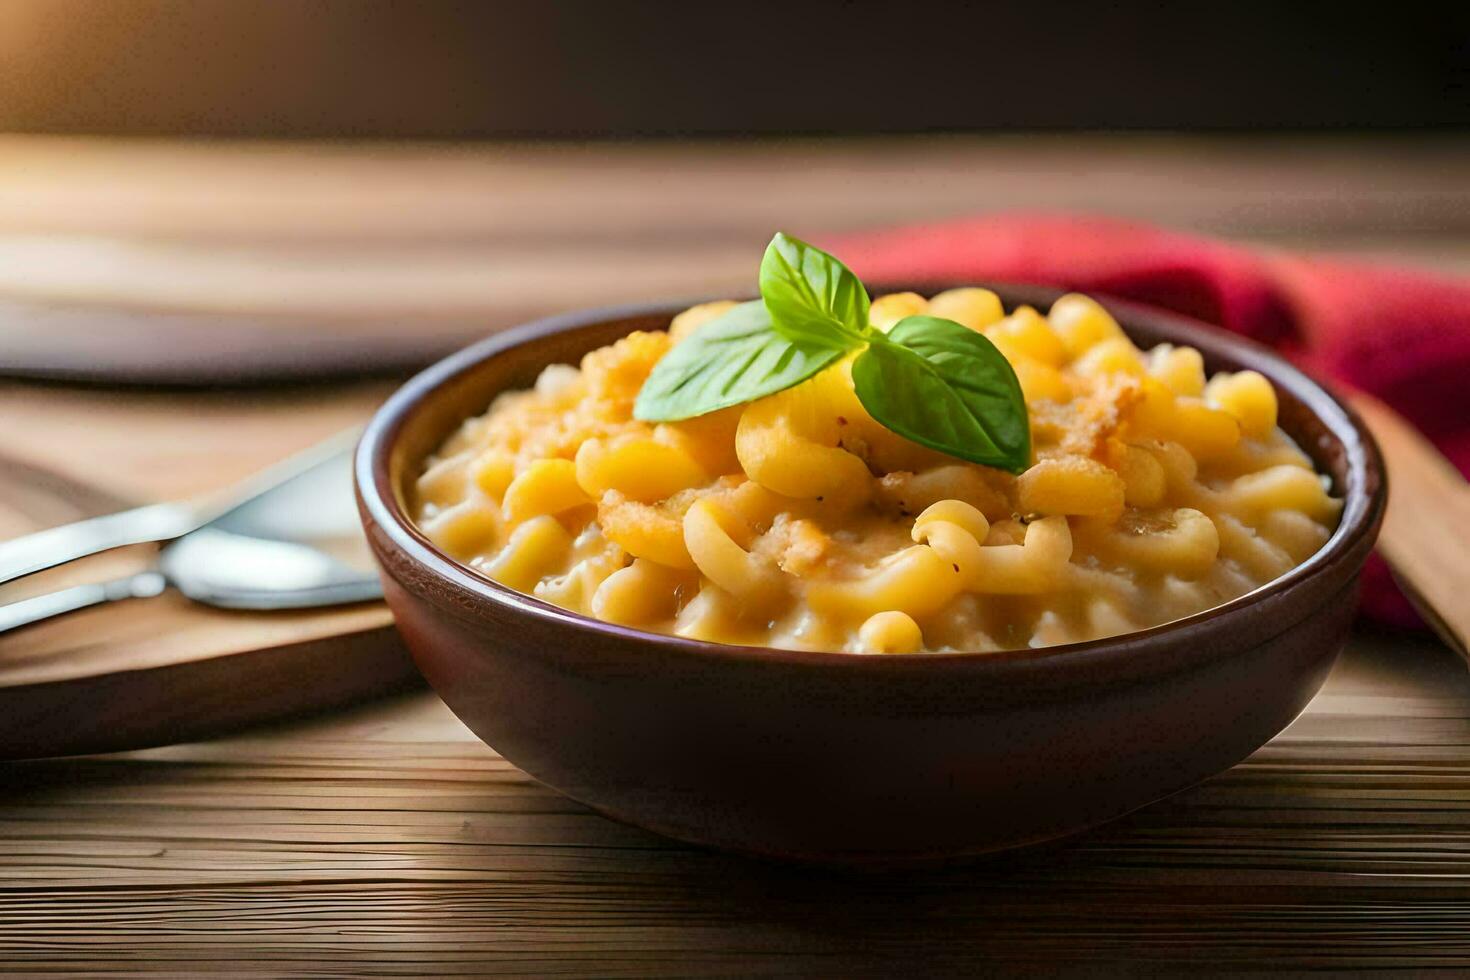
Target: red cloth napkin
[(1396, 333)]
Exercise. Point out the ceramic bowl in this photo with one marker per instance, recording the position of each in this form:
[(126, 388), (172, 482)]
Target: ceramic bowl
[(858, 760)]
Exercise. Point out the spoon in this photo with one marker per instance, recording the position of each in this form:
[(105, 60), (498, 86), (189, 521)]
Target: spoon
[(293, 544)]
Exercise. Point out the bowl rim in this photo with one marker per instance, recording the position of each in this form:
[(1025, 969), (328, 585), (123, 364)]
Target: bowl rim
[(1365, 494)]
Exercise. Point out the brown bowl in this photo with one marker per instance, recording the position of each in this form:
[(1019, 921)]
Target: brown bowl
[(846, 759)]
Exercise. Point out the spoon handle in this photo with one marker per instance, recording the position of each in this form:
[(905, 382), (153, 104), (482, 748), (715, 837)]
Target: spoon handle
[(143, 585), (159, 522), (59, 545), (1426, 531)]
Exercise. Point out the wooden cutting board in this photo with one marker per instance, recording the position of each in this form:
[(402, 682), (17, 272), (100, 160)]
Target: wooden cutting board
[(154, 671)]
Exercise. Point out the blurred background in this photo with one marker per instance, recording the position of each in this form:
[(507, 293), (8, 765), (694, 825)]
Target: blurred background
[(454, 69), (202, 191)]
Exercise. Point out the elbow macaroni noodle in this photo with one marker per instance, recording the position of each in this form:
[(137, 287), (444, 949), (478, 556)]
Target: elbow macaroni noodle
[(797, 521)]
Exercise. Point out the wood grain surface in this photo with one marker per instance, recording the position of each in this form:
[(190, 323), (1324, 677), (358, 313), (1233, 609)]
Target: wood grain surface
[(220, 261), (386, 840), (152, 671), (1424, 534)]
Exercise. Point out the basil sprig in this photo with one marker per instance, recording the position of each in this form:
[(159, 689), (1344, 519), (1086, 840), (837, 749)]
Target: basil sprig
[(812, 297), (945, 386), (734, 358), (930, 380)]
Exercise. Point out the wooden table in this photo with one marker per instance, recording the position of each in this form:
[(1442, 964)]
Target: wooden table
[(387, 840)]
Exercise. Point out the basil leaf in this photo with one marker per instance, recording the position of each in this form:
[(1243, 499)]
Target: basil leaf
[(812, 297), (946, 387), (732, 359)]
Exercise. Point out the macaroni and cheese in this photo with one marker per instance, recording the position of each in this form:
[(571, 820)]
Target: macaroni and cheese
[(797, 521)]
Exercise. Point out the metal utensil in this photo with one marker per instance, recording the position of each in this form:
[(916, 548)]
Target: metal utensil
[(290, 540), (154, 522)]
